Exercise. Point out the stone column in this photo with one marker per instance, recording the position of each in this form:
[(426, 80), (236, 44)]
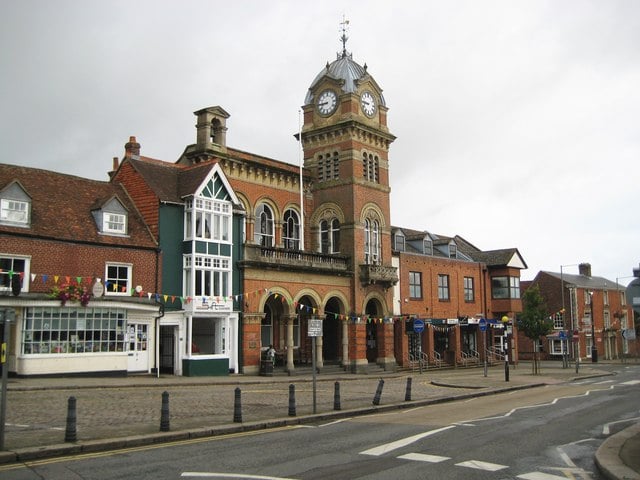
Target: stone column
[(345, 343), (290, 321)]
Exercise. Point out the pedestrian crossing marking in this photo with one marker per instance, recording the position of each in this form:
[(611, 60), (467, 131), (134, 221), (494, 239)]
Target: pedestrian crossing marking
[(421, 457), (478, 465), (540, 476)]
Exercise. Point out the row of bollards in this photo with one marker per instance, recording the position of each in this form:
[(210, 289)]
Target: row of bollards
[(70, 434)]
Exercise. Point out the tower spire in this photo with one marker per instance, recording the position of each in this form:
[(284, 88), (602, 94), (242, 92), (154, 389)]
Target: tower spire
[(344, 37)]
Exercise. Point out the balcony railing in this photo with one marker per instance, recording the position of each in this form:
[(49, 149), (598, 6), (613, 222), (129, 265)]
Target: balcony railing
[(284, 259), (384, 275)]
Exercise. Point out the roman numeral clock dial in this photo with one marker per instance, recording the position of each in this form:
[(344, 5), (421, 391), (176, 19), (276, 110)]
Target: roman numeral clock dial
[(368, 104), (327, 102)]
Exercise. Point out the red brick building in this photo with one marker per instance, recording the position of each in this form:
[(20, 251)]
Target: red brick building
[(587, 310), (72, 252)]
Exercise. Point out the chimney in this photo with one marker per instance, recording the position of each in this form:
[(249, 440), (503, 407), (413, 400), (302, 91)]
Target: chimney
[(132, 148), (116, 163), (585, 269)]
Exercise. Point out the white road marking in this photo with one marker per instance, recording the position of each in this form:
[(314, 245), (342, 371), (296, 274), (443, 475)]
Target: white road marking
[(606, 430), (478, 465), (604, 381), (334, 422), (540, 476), (403, 442), (421, 457), (631, 382), (231, 475)]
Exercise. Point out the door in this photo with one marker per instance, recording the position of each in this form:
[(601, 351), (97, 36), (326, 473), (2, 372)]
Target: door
[(167, 349), (138, 347)]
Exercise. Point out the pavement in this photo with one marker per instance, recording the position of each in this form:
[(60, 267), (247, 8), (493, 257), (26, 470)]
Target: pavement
[(49, 417)]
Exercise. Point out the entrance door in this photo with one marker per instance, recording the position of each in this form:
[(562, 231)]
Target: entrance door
[(138, 347), (372, 342), (167, 349)]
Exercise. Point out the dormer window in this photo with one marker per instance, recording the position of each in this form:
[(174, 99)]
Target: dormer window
[(427, 246), (112, 218), (453, 250), (399, 242), (15, 206)]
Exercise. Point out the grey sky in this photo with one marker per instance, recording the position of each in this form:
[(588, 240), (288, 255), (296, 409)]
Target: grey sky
[(517, 121)]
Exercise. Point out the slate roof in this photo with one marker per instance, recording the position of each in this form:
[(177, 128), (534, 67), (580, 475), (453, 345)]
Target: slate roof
[(61, 207), (583, 281)]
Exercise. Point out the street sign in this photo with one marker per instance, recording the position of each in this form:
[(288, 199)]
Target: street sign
[(629, 334), (482, 323), (315, 327), (562, 335), (418, 325)]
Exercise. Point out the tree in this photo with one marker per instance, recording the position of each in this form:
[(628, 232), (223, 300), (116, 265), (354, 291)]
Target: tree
[(534, 321)]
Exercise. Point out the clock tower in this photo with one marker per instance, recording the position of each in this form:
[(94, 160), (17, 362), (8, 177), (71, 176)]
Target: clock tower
[(346, 142)]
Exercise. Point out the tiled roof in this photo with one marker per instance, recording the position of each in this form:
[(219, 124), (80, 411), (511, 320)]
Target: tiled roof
[(583, 281), (61, 207)]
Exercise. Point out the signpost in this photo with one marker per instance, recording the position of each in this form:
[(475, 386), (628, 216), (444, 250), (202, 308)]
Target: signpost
[(7, 316), (418, 325), (482, 324), (314, 330)]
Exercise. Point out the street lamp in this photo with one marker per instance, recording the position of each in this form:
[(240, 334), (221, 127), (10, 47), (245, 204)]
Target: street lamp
[(594, 348)]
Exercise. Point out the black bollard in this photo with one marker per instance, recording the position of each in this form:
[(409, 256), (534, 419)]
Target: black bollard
[(237, 406), (164, 413), (376, 398), (70, 434), (336, 396), (292, 400), (407, 395)]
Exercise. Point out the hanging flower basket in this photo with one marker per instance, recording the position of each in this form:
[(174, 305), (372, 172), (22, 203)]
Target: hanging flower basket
[(69, 292)]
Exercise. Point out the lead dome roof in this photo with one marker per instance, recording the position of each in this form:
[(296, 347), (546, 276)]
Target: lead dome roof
[(345, 71)]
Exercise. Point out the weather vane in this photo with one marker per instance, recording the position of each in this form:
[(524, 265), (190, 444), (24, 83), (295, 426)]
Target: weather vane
[(343, 37)]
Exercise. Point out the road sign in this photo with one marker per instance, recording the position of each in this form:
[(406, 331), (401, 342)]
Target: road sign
[(482, 323), (629, 334), (418, 325), (562, 335), (315, 327)]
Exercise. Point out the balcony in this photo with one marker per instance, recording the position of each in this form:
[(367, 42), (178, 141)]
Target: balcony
[(256, 256), (378, 274)]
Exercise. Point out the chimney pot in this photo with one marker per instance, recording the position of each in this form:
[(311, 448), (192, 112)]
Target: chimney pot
[(585, 269)]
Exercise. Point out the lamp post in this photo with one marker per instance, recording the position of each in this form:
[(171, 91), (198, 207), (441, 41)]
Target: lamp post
[(622, 305), (505, 321), (594, 348)]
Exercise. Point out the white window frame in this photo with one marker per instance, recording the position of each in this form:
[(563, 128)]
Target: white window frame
[(5, 286), (108, 280), (291, 230), (207, 276), (14, 211), (264, 233), (114, 223)]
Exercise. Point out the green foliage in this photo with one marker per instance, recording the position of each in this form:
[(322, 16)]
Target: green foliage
[(534, 321)]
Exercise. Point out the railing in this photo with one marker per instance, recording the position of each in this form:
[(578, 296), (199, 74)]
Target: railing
[(437, 359), (471, 356), (419, 362), (384, 275), (294, 259), (494, 354)]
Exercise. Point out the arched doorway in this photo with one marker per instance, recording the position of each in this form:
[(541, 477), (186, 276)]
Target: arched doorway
[(272, 324), (373, 311), (332, 338), (305, 310)]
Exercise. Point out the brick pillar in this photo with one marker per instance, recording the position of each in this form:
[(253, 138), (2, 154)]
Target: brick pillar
[(357, 346), (428, 343), (345, 342), (251, 342), (385, 334), (455, 342)]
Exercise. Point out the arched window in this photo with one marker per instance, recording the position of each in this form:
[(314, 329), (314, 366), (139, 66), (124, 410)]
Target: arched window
[(263, 234), (371, 242), (291, 230), (330, 236)]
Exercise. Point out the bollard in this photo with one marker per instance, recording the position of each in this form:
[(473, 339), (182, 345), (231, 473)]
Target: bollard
[(407, 395), (292, 400), (237, 406), (336, 396), (376, 398), (164, 413), (70, 434)]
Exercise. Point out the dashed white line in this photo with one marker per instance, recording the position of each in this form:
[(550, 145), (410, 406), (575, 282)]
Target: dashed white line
[(421, 457), (478, 465), (231, 475), (540, 476)]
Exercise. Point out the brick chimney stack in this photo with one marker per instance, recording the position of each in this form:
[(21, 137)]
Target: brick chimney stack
[(585, 269), (132, 147), (116, 163)]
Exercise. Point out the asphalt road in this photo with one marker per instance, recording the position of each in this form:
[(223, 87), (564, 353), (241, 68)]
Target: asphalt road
[(548, 433)]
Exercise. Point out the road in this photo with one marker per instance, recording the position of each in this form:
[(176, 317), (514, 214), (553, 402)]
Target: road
[(547, 433)]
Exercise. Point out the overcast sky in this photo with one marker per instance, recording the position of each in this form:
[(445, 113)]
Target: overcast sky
[(517, 122)]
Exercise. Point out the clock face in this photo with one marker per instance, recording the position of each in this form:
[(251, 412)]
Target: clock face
[(327, 102), (368, 104)]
